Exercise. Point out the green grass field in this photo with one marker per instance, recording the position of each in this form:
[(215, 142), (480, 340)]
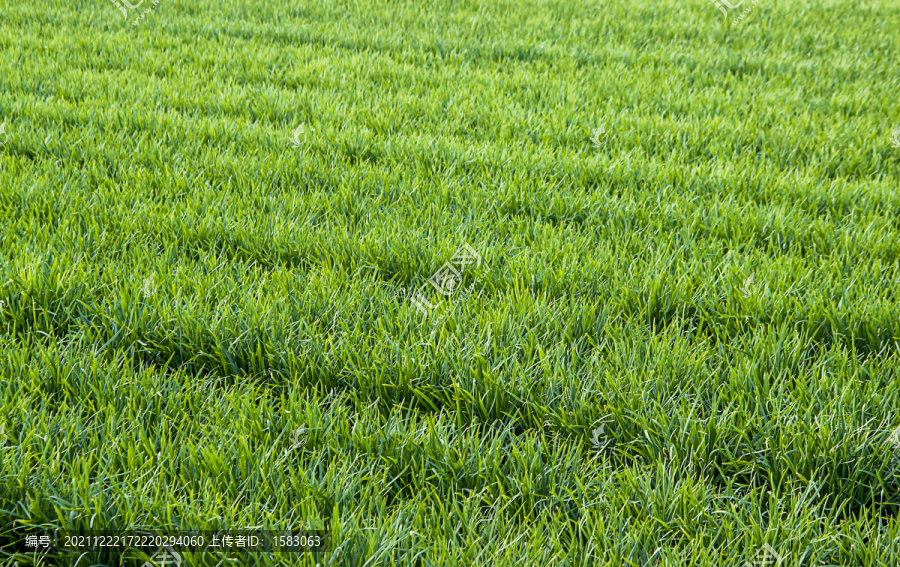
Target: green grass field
[(682, 341)]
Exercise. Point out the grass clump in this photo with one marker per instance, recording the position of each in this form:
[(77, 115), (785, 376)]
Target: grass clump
[(212, 220)]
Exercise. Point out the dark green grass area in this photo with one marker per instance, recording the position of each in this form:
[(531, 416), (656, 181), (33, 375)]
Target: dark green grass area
[(715, 279)]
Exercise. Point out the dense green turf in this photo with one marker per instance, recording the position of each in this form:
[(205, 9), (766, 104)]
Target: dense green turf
[(715, 278)]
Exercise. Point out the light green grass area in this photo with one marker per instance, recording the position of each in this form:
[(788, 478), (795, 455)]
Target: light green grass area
[(714, 279)]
